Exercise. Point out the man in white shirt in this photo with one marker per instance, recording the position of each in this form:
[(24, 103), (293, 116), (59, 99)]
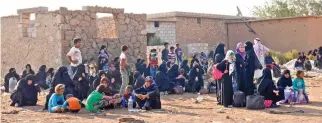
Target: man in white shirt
[(124, 69), (74, 55)]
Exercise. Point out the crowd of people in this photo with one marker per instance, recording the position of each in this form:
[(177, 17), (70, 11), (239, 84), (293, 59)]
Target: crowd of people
[(113, 84), (304, 60)]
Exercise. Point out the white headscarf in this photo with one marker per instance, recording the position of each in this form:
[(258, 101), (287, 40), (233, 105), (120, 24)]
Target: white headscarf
[(231, 60)]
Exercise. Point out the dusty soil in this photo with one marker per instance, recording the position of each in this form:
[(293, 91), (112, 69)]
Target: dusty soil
[(188, 111)]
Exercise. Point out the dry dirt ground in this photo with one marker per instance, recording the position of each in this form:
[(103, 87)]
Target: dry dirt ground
[(188, 111)]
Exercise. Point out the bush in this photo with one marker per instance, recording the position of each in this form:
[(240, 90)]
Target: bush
[(155, 41), (285, 57)]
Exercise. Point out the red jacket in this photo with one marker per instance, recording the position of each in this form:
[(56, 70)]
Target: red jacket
[(153, 63)]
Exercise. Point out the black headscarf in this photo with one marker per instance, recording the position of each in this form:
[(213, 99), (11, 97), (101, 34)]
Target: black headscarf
[(79, 72), (139, 80), (62, 77), (266, 85), (194, 59), (12, 73), (161, 78), (97, 81), (220, 49), (283, 81), (41, 75), (29, 92), (173, 73), (24, 73), (163, 68), (184, 65), (50, 72), (267, 74), (249, 46), (211, 54)]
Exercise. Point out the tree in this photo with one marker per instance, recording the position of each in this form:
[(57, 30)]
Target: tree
[(288, 8)]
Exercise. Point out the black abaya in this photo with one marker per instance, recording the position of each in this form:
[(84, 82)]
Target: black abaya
[(249, 68), (240, 70), (266, 86), (226, 84)]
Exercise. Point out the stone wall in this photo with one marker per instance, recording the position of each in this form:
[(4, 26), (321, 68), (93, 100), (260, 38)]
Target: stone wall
[(18, 50), (55, 31), (106, 28), (166, 30), (211, 31), (197, 48)]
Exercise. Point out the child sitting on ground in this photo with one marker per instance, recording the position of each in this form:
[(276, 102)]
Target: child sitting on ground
[(127, 95), (95, 100), (57, 99), (72, 104), (299, 86)]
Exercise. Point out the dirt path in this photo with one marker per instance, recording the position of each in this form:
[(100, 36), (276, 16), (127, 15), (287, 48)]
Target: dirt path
[(188, 112)]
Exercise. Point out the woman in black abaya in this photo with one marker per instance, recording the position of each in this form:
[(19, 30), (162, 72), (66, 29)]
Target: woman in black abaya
[(82, 83), (27, 71), (41, 77), (220, 51), (240, 66), (249, 68), (267, 88), (227, 66)]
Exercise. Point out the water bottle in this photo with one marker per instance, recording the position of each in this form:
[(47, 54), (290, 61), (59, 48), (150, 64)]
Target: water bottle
[(130, 104)]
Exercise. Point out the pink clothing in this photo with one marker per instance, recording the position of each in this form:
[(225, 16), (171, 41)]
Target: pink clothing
[(259, 48)]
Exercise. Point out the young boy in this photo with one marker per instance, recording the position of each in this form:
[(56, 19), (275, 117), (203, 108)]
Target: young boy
[(95, 99), (179, 53), (128, 93), (57, 99), (172, 55), (72, 104), (148, 96), (153, 62)]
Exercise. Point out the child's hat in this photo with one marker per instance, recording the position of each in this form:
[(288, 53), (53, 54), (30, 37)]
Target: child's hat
[(148, 78)]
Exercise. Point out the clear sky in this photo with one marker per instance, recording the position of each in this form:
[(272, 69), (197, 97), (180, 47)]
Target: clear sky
[(9, 7)]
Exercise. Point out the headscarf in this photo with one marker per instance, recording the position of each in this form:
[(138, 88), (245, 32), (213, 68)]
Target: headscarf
[(249, 46), (259, 48), (103, 55), (41, 75), (211, 54), (239, 45), (163, 68), (231, 60), (267, 74), (62, 77), (283, 81), (50, 72), (220, 49)]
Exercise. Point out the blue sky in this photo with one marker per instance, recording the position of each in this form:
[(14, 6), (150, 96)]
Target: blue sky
[(228, 7)]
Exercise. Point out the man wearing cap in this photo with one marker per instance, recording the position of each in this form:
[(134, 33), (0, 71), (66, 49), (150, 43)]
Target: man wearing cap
[(148, 96)]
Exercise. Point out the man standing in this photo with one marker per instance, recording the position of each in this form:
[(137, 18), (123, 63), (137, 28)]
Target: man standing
[(165, 52), (74, 55), (179, 53), (124, 69)]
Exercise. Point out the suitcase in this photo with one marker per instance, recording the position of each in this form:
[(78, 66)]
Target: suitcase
[(239, 99)]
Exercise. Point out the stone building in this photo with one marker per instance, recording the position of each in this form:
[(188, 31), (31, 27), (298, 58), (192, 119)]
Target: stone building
[(280, 34), (48, 38), (186, 28)]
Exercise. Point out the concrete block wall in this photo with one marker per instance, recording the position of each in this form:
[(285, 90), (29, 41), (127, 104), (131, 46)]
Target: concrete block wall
[(166, 31)]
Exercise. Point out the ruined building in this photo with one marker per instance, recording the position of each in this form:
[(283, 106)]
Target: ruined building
[(48, 38)]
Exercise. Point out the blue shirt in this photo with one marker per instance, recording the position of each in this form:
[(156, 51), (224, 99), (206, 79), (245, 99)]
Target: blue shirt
[(178, 52), (55, 100)]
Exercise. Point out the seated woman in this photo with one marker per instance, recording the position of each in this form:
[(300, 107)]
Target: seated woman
[(162, 79), (184, 65), (196, 82), (27, 92), (82, 82), (61, 77), (57, 100), (173, 73), (41, 77), (299, 64), (148, 96), (10, 80), (139, 80), (181, 79), (267, 88), (27, 71), (284, 82), (49, 77), (114, 76)]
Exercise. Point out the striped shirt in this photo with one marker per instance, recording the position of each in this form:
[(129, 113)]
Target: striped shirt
[(172, 57)]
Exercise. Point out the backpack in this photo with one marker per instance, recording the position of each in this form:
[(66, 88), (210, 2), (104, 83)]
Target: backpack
[(239, 99), (12, 84)]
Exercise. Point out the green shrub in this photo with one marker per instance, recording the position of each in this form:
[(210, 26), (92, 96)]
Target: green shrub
[(155, 41), (282, 58)]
